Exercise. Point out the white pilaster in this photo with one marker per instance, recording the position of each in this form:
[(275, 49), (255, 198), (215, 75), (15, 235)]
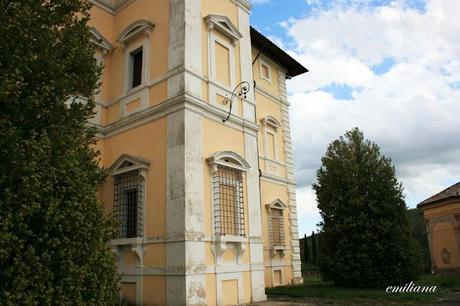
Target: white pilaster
[(246, 63), (176, 48), (184, 207), (295, 260)]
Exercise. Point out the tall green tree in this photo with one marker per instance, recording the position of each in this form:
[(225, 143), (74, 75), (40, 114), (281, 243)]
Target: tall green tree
[(366, 238), (418, 229), (53, 233)]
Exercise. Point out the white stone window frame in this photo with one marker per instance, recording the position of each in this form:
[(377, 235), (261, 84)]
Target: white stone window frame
[(134, 280), (221, 243), (220, 277), (141, 28), (142, 165), (267, 123), (266, 64), (278, 205), (282, 276), (224, 26), (103, 48)]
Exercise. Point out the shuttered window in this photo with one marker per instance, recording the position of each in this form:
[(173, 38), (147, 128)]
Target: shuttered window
[(276, 228)]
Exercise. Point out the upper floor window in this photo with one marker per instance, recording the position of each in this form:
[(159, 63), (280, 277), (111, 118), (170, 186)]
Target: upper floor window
[(129, 174), (136, 42), (265, 73), (223, 36), (228, 193), (270, 130), (136, 67)]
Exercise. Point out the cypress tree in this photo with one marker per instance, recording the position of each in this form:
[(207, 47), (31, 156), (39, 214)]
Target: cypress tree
[(53, 233), (306, 249), (314, 251), (365, 238)]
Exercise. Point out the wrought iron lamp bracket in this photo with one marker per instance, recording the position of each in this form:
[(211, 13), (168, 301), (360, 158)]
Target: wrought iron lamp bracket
[(239, 91)]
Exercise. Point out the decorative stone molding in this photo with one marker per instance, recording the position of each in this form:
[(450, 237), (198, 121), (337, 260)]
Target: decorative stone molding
[(271, 121), (229, 159), (223, 25), (139, 250), (134, 30), (245, 4), (126, 163), (277, 204), (100, 41), (222, 244)]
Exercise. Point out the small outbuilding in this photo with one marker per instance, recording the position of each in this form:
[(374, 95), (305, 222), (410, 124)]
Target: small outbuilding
[(442, 216)]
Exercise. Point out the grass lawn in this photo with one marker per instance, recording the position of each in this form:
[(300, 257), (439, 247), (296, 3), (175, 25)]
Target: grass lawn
[(317, 292)]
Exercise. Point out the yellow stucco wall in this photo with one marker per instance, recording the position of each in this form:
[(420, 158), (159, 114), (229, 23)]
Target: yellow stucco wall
[(443, 221), (149, 140), (272, 86), (110, 26), (155, 290)]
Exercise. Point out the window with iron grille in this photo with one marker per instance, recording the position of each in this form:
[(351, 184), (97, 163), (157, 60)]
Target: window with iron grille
[(228, 201), (276, 228), (128, 203)]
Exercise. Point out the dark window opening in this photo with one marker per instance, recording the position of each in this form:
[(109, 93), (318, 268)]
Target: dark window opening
[(130, 198), (136, 58)]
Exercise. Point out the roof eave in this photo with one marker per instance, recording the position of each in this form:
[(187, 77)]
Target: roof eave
[(293, 67)]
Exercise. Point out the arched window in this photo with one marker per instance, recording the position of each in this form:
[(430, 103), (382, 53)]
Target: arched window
[(227, 190), (129, 175), (136, 53), (276, 225)]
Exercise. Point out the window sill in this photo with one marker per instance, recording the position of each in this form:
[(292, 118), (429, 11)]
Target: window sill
[(221, 243), (230, 238), (280, 249), (134, 90), (126, 241), (136, 245)]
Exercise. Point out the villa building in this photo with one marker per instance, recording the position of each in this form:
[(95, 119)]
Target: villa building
[(205, 198), (442, 217)]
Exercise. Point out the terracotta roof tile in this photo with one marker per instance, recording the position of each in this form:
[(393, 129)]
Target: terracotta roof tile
[(450, 192)]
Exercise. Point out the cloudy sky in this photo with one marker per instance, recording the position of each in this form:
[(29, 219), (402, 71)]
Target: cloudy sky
[(391, 68)]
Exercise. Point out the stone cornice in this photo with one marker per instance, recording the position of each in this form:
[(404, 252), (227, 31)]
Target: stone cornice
[(171, 105), (244, 4), (114, 6), (111, 6)]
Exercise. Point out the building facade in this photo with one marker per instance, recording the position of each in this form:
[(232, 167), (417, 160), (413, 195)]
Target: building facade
[(204, 197), (442, 216)]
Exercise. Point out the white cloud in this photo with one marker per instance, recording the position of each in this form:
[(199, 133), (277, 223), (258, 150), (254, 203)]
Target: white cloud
[(411, 111), (307, 210)]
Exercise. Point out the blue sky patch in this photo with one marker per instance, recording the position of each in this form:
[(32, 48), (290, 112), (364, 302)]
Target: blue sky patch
[(339, 91), (382, 68)]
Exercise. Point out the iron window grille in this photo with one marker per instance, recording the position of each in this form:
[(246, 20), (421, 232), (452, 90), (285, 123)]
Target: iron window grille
[(128, 204), (228, 202), (276, 228)]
